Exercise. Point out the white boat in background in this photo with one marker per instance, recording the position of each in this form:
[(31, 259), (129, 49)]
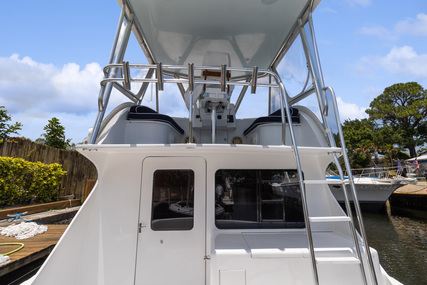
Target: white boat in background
[(418, 165), (281, 224), (373, 186)]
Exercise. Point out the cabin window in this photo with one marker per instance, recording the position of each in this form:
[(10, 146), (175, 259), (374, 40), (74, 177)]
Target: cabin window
[(258, 199), (173, 196)]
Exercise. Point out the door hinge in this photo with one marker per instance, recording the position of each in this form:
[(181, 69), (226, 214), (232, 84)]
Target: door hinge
[(207, 257)]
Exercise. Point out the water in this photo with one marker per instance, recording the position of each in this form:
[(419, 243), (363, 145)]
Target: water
[(402, 245)]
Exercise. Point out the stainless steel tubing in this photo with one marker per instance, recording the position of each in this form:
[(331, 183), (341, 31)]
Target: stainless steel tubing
[(223, 77), (191, 89), (160, 76), (254, 79)]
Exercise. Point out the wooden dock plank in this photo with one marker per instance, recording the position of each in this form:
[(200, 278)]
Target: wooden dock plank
[(36, 247), (410, 189)]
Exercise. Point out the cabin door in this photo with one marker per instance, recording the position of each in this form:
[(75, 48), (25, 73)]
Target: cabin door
[(171, 238)]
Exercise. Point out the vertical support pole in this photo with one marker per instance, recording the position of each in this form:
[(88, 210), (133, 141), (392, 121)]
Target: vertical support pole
[(254, 79), (160, 76), (159, 84), (213, 119), (223, 77), (269, 94), (157, 98), (126, 75), (285, 106), (116, 56), (191, 89), (355, 199), (318, 84)]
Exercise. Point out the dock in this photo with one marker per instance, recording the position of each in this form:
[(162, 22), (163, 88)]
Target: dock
[(40, 246), (35, 248), (410, 200)]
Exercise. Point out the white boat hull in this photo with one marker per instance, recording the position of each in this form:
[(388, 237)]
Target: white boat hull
[(371, 194)]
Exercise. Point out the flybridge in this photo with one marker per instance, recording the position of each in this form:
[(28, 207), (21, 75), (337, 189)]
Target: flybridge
[(221, 51)]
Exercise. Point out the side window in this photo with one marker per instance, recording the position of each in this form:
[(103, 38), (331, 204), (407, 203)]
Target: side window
[(258, 199), (173, 196)]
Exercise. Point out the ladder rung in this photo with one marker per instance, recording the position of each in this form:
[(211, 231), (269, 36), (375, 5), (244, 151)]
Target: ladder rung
[(330, 219), (337, 260)]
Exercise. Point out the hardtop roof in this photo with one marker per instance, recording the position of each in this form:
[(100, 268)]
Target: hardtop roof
[(252, 32)]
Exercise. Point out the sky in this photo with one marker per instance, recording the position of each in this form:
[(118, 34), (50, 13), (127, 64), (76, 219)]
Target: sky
[(52, 54)]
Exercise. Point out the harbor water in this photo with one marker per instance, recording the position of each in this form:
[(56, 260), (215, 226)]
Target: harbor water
[(401, 243)]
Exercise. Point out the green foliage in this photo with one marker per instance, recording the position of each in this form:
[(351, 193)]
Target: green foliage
[(364, 139), (7, 129), (358, 135), (403, 107), (55, 135), (23, 182)]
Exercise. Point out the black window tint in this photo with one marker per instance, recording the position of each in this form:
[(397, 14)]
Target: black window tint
[(246, 199), (173, 196)]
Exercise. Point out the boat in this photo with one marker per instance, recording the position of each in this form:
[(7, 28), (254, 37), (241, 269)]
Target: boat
[(218, 57), (418, 165), (373, 186)]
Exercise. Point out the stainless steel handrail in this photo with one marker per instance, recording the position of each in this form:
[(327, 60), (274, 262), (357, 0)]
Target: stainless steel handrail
[(353, 191), (111, 79), (285, 103)]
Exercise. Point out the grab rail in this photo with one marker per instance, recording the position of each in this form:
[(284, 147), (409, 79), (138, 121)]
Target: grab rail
[(161, 78), (354, 194)]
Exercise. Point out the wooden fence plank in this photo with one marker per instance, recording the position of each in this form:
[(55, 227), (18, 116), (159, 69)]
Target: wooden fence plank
[(78, 167)]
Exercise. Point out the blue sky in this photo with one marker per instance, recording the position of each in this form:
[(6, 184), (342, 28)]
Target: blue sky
[(52, 52)]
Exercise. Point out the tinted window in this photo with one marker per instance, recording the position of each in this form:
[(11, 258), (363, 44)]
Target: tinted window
[(173, 196), (246, 199)]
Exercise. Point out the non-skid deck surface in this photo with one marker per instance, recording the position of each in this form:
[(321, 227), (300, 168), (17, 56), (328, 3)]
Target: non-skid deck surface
[(36, 247)]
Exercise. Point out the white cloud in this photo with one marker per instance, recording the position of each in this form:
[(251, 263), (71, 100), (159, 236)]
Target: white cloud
[(363, 3), (29, 85), (415, 27), (402, 61), (329, 10), (34, 92), (380, 32), (405, 60), (410, 26), (350, 111)]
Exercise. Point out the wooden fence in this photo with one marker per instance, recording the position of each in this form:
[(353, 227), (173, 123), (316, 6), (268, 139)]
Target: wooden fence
[(79, 168)]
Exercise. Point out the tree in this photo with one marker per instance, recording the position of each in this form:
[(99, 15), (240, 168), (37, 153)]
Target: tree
[(403, 107), (359, 141), (55, 135), (365, 139), (7, 129)]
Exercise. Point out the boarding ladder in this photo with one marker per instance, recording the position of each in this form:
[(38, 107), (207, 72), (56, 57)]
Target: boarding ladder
[(346, 183), (329, 113)]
